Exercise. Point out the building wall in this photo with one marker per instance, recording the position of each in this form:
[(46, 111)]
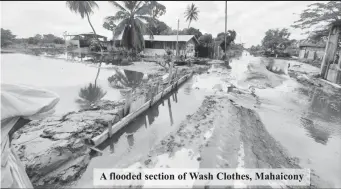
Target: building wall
[(190, 48), (332, 73), (72, 43), (312, 53), (158, 48)]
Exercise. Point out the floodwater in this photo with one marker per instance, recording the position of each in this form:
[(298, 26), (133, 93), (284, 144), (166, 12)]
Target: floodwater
[(135, 140), (73, 79), (305, 120)]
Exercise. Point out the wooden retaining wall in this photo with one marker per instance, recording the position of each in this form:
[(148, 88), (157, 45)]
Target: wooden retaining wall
[(113, 128)]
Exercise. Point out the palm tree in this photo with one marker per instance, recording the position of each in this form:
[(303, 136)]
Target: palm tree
[(191, 13), (85, 8), (130, 17)]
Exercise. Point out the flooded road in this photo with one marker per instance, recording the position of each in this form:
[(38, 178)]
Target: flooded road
[(304, 120), (203, 124)]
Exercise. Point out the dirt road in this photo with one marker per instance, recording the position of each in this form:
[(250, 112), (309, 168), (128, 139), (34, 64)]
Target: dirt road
[(258, 124)]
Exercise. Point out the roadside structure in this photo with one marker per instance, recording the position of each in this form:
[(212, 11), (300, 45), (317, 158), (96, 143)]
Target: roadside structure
[(83, 40), (159, 43), (331, 63), (310, 50)]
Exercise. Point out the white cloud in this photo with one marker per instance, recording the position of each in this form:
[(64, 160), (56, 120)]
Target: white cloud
[(249, 19)]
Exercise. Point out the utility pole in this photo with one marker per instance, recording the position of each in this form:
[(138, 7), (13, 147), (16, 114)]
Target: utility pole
[(177, 38), (225, 25)]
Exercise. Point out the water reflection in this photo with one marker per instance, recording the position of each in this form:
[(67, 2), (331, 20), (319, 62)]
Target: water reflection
[(125, 79), (315, 131), (142, 121), (323, 114), (89, 95), (110, 58)]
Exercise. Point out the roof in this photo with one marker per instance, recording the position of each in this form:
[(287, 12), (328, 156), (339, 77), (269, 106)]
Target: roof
[(183, 38), (90, 33), (309, 43)]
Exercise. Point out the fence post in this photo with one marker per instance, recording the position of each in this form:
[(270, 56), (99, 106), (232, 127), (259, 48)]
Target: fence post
[(147, 121), (170, 111), (170, 72), (127, 103), (152, 95), (110, 123)]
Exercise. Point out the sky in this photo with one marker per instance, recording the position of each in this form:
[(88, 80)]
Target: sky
[(250, 19)]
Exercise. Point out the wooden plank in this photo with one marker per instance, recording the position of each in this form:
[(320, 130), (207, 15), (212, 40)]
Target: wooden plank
[(110, 123), (94, 148), (127, 103), (127, 119), (147, 121), (170, 111)]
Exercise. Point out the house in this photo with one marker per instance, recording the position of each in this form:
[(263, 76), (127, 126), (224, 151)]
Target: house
[(310, 50), (159, 43), (84, 40)]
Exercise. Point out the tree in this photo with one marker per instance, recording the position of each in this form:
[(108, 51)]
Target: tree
[(275, 39), (158, 28), (84, 8), (110, 25), (192, 31), (320, 15), (206, 39), (230, 37), (33, 41), (130, 17), (7, 37), (191, 13), (38, 37)]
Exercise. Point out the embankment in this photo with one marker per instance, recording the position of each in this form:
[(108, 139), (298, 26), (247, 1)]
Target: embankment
[(52, 149)]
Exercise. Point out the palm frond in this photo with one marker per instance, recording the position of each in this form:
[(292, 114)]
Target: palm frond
[(120, 15), (117, 5), (82, 7), (121, 26), (130, 5), (145, 9)]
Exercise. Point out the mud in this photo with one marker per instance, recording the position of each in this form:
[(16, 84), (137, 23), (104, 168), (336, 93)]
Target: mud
[(226, 129), (53, 149)]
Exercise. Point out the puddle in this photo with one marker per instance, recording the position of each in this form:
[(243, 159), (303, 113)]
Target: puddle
[(305, 120)]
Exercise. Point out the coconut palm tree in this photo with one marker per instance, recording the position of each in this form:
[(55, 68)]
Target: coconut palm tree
[(132, 16), (84, 8), (191, 13)]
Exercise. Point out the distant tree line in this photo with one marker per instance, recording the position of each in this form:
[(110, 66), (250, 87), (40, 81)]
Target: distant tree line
[(7, 38)]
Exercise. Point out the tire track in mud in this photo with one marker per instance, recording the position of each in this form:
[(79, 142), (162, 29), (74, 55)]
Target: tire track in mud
[(242, 140), (222, 134)]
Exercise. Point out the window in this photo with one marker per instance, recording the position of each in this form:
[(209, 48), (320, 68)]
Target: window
[(148, 44)]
